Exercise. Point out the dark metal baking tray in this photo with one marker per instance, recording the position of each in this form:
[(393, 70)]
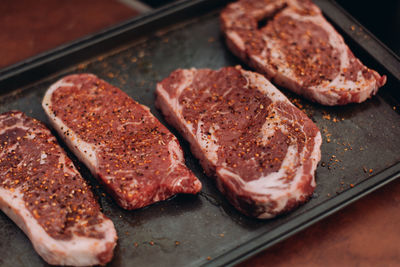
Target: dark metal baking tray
[(205, 229)]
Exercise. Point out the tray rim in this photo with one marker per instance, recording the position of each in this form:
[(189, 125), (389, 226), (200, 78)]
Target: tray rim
[(266, 239), (304, 220), (338, 14), (42, 65)]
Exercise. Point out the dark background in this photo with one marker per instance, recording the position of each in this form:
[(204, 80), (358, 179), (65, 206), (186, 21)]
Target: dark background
[(31, 27), (382, 18)]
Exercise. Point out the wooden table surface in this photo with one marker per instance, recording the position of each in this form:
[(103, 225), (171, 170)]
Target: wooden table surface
[(366, 233)]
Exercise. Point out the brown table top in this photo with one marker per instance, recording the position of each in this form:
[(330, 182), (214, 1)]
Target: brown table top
[(366, 233), (29, 27)]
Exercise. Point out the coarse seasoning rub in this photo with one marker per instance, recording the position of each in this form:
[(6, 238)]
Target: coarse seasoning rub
[(292, 44), (133, 155), (260, 148), (44, 194)]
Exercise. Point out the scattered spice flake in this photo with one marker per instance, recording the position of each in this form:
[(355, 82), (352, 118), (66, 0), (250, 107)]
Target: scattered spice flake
[(371, 170), (394, 107), (136, 244), (327, 117), (177, 243), (297, 103), (208, 258), (36, 214), (110, 75), (347, 146), (81, 66), (151, 243), (222, 235), (351, 185), (352, 27), (100, 58), (133, 60)]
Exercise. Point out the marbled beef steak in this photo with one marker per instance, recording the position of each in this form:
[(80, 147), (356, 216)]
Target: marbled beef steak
[(44, 194), (136, 158), (292, 44), (261, 149)]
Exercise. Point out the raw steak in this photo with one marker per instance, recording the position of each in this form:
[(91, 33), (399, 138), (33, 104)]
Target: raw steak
[(298, 49), (136, 158), (44, 194), (262, 150)]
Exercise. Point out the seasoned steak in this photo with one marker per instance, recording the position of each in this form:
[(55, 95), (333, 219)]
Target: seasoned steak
[(44, 194), (292, 44), (136, 158), (262, 150)]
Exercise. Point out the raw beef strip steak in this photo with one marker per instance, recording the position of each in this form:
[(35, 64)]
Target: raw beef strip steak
[(262, 150), (136, 158), (44, 194), (298, 49)]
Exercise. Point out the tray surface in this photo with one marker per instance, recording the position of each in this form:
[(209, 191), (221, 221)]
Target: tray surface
[(359, 154)]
